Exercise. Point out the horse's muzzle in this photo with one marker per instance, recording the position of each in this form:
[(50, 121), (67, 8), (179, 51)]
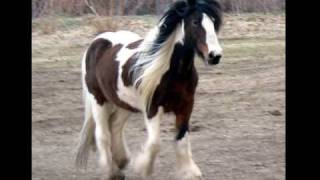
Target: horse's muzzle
[(213, 60)]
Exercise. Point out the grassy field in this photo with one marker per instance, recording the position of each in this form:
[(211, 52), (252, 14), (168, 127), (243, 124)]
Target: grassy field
[(238, 124)]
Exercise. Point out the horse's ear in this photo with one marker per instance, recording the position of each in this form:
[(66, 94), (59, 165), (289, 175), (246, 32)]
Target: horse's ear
[(191, 2), (183, 10)]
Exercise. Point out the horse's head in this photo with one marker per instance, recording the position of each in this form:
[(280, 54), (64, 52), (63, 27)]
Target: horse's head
[(202, 20)]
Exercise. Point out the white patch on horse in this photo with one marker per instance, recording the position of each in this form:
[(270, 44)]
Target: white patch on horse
[(119, 148), (119, 37), (211, 36), (180, 33), (101, 116), (186, 167), (128, 94)]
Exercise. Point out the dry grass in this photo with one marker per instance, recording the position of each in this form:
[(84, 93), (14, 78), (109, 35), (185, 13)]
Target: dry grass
[(45, 26), (63, 40), (58, 24), (253, 25), (102, 24)]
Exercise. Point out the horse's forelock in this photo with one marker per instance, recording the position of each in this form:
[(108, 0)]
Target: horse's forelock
[(181, 9), (213, 9)]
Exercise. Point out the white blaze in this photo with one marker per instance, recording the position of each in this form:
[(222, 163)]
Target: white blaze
[(212, 40)]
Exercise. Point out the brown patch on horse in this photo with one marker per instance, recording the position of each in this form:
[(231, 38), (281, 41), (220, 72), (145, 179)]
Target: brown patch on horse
[(126, 75), (102, 73), (107, 72), (203, 48), (94, 53), (134, 45), (176, 96), (196, 34), (177, 87)]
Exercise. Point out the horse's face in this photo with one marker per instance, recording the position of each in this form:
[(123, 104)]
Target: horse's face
[(201, 31)]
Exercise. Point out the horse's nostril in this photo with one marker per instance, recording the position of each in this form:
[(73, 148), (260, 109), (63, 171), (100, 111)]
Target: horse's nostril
[(218, 57), (211, 55)]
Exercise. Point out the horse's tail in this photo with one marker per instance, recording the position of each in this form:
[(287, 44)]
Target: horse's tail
[(87, 139)]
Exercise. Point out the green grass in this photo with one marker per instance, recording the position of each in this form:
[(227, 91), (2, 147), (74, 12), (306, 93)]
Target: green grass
[(255, 48)]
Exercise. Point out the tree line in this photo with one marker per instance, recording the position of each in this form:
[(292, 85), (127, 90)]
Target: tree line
[(139, 7)]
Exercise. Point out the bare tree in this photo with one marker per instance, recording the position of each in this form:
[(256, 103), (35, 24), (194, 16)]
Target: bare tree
[(122, 6), (91, 8)]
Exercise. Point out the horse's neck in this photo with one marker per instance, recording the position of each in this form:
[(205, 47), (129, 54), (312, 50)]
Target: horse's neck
[(182, 60), (150, 68)]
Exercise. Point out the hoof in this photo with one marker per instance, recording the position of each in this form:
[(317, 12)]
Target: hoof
[(190, 172), (143, 166), (118, 177), (197, 178), (191, 178), (122, 164)]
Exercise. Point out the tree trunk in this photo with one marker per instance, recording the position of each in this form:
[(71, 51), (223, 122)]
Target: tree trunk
[(122, 6), (111, 7)]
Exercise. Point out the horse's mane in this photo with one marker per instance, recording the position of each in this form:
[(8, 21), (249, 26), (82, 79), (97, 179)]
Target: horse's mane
[(156, 50)]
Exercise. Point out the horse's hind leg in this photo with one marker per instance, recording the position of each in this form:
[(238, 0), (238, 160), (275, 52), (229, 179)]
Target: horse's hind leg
[(101, 115), (120, 153)]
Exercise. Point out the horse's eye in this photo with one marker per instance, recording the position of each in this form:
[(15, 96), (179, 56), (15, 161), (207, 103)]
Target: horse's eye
[(195, 23)]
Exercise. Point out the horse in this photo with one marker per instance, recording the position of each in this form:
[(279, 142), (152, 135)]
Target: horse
[(123, 74)]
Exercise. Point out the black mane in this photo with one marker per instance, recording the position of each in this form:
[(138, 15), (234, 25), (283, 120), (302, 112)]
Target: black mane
[(179, 10)]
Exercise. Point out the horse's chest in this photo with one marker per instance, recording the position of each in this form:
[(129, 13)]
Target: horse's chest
[(175, 95)]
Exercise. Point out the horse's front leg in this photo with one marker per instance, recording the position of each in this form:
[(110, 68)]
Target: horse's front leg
[(187, 168), (143, 164)]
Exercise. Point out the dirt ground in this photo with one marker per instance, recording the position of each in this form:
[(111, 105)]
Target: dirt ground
[(238, 122)]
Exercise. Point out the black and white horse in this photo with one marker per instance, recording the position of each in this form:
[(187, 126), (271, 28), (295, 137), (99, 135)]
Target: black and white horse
[(155, 76)]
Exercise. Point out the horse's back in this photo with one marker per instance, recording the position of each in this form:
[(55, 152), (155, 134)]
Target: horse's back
[(119, 37), (102, 68), (105, 41)]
